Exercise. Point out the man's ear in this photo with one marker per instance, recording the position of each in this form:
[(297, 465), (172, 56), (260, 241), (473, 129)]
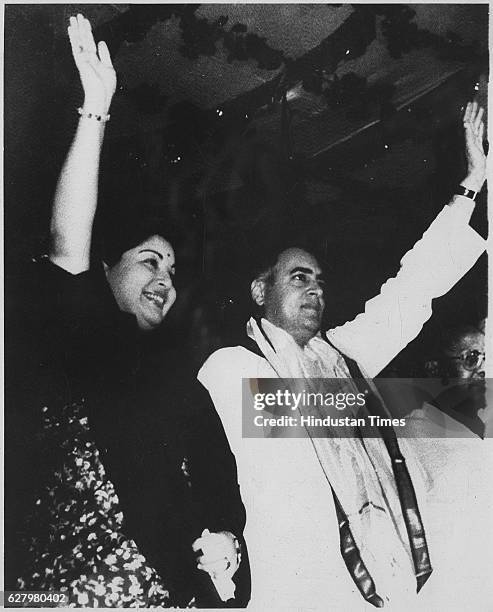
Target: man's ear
[(106, 268), (257, 289)]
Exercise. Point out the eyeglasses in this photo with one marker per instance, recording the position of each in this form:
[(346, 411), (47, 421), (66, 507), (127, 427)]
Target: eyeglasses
[(471, 360)]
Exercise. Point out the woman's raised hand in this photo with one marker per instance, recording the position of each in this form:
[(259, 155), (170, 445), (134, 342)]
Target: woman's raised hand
[(95, 67)]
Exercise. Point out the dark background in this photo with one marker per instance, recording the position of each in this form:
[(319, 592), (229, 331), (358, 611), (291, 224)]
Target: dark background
[(243, 124)]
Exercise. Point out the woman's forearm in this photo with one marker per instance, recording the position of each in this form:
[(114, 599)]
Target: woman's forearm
[(76, 195), (75, 201)]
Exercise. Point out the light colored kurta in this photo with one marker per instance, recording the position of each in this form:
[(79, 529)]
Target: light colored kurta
[(292, 532)]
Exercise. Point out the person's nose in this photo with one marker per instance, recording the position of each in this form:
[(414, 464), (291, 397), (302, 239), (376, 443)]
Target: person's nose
[(480, 371), (164, 280), (316, 289)]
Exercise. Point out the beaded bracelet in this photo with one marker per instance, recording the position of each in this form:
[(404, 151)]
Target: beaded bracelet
[(86, 115)]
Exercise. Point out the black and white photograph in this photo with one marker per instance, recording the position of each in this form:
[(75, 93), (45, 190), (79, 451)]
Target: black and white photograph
[(246, 307)]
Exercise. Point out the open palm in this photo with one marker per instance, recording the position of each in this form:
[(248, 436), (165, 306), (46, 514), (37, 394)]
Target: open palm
[(95, 67), (474, 132)]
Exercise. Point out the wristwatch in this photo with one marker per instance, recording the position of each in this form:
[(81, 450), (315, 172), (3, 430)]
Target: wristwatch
[(467, 193)]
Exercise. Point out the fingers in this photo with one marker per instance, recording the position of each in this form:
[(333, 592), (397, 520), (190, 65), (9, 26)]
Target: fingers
[(199, 542), (219, 553), (104, 54), (74, 37), (478, 120), (473, 119), (82, 42), (86, 34), (481, 132), (471, 113), (214, 545), (215, 567)]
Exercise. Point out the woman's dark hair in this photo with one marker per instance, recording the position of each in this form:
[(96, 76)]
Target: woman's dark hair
[(113, 239)]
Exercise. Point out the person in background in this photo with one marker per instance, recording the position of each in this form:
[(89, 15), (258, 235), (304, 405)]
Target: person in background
[(457, 405), (460, 366), (448, 435), (121, 489)]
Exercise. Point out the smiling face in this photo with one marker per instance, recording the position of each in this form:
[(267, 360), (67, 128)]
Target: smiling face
[(293, 299), (142, 281)]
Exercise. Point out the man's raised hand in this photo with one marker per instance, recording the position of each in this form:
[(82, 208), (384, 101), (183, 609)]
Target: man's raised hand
[(475, 155), (95, 67)]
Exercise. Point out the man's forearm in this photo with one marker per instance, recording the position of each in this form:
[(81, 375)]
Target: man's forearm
[(446, 251)]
